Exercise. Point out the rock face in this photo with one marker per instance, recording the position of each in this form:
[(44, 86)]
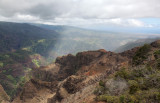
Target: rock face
[(70, 64), (74, 88), (4, 98), (116, 87), (36, 91), (71, 78), (69, 86)]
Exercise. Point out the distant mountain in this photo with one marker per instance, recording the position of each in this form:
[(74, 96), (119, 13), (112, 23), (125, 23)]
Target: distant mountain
[(95, 39), (15, 36), (136, 43), (21, 49)]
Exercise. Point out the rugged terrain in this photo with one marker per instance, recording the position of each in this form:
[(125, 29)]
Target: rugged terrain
[(89, 76), (92, 76), (71, 77), (4, 98), (19, 53)]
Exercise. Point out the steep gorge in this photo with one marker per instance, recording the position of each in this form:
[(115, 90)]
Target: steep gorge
[(74, 79), (71, 77)]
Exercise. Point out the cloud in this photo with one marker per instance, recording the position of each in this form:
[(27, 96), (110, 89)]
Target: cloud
[(116, 12)]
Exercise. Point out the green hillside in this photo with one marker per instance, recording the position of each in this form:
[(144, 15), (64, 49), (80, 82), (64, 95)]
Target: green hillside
[(22, 47), (139, 83), (16, 35)]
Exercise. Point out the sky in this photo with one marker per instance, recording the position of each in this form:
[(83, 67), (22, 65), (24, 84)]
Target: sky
[(83, 13)]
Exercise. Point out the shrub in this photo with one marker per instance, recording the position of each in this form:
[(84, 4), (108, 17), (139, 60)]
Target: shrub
[(127, 99), (123, 73), (108, 99), (158, 64), (150, 96), (157, 54), (141, 72), (36, 62), (154, 97), (133, 86), (153, 81), (101, 83), (122, 99), (1, 64), (141, 54)]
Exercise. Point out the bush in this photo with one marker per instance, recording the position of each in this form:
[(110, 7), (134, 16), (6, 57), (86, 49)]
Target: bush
[(141, 72), (153, 81), (158, 64), (123, 73), (127, 99), (108, 99), (133, 86), (101, 83), (36, 62), (149, 96), (122, 99), (157, 54), (141, 55), (1, 64)]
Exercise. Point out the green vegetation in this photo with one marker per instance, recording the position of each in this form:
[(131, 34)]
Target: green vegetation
[(133, 86), (142, 82), (36, 62), (101, 83), (143, 87), (16, 48), (14, 70), (108, 99), (141, 54), (157, 54), (15, 36), (1, 64), (139, 83), (20, 56), (21, 41), (14, 83), (43, 47), (123, 73)]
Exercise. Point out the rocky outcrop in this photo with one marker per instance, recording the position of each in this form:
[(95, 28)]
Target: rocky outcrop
[(36, 91), (116, 86), (91, 67), (69, 86), (4, 98), (46, 73), (72, 77), (71, 89), (70, 64), (66, 65)]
